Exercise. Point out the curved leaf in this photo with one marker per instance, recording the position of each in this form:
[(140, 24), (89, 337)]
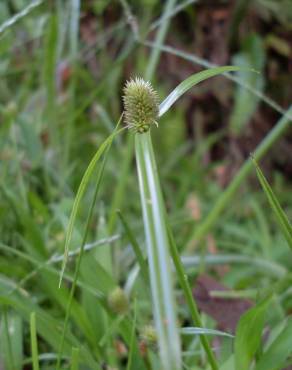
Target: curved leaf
[(189, 82), (82, 187)]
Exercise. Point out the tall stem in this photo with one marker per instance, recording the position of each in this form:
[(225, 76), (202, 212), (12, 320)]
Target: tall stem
[(158, 253)]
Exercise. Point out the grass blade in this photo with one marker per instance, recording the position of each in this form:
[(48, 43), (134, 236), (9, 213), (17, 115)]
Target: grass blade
[(89, 217), (6, 345), (248, 335), (183, 280), (275, 205), (205, 63), (189, 82), (23, 13), (140, 258), (34, 346), (158, 254), (82, 187), (159, 39), (75, 359), (131, 351), (204, 331)]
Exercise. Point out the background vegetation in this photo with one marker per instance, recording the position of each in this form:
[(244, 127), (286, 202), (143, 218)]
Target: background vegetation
[(63, 65)]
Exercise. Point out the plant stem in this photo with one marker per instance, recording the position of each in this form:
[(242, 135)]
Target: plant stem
[(9, 355), (34, 345), (160, 36), (158, 254)]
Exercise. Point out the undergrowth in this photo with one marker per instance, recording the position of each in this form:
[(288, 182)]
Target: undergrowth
[(137, 243)]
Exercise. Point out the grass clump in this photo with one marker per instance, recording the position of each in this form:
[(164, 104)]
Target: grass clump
[(140, 244)]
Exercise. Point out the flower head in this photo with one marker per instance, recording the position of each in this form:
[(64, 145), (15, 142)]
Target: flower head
[(141, 105)]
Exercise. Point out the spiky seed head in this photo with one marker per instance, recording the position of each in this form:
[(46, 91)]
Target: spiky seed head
[(141, 105), (118, 301)]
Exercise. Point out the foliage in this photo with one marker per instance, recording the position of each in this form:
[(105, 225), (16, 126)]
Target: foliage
[(66, 169)]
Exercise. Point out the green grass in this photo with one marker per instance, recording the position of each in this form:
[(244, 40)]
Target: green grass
[(69, 183), (33, 340)]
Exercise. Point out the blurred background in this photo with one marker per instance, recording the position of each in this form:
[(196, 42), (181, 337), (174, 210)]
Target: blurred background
[(63, 65)]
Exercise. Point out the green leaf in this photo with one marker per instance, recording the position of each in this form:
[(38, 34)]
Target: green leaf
[(275, 205), (81, 190), (34, 343), (75, 359), (191, 303), (189, 82), (228, 364), (48, 327), (11, 340), (204, 331), (278, 351), (248, 335)]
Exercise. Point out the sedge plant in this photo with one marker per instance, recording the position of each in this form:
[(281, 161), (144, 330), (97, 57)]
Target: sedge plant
[(142, 111)]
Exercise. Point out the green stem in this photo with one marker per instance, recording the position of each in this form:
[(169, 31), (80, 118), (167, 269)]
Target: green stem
[(8, 340), (158, 254), (160, 36), (183, 280), (34, 345), (151, 66), (73, 42), (224, 200)]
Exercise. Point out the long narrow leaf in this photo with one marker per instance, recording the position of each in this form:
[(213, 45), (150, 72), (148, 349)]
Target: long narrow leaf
[(34, 346), (189, 82), (183, 280), (75, 359), (82, 187), (204, 331), (275, 205)]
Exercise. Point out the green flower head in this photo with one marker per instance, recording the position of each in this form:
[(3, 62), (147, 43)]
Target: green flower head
[(141, 105)]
